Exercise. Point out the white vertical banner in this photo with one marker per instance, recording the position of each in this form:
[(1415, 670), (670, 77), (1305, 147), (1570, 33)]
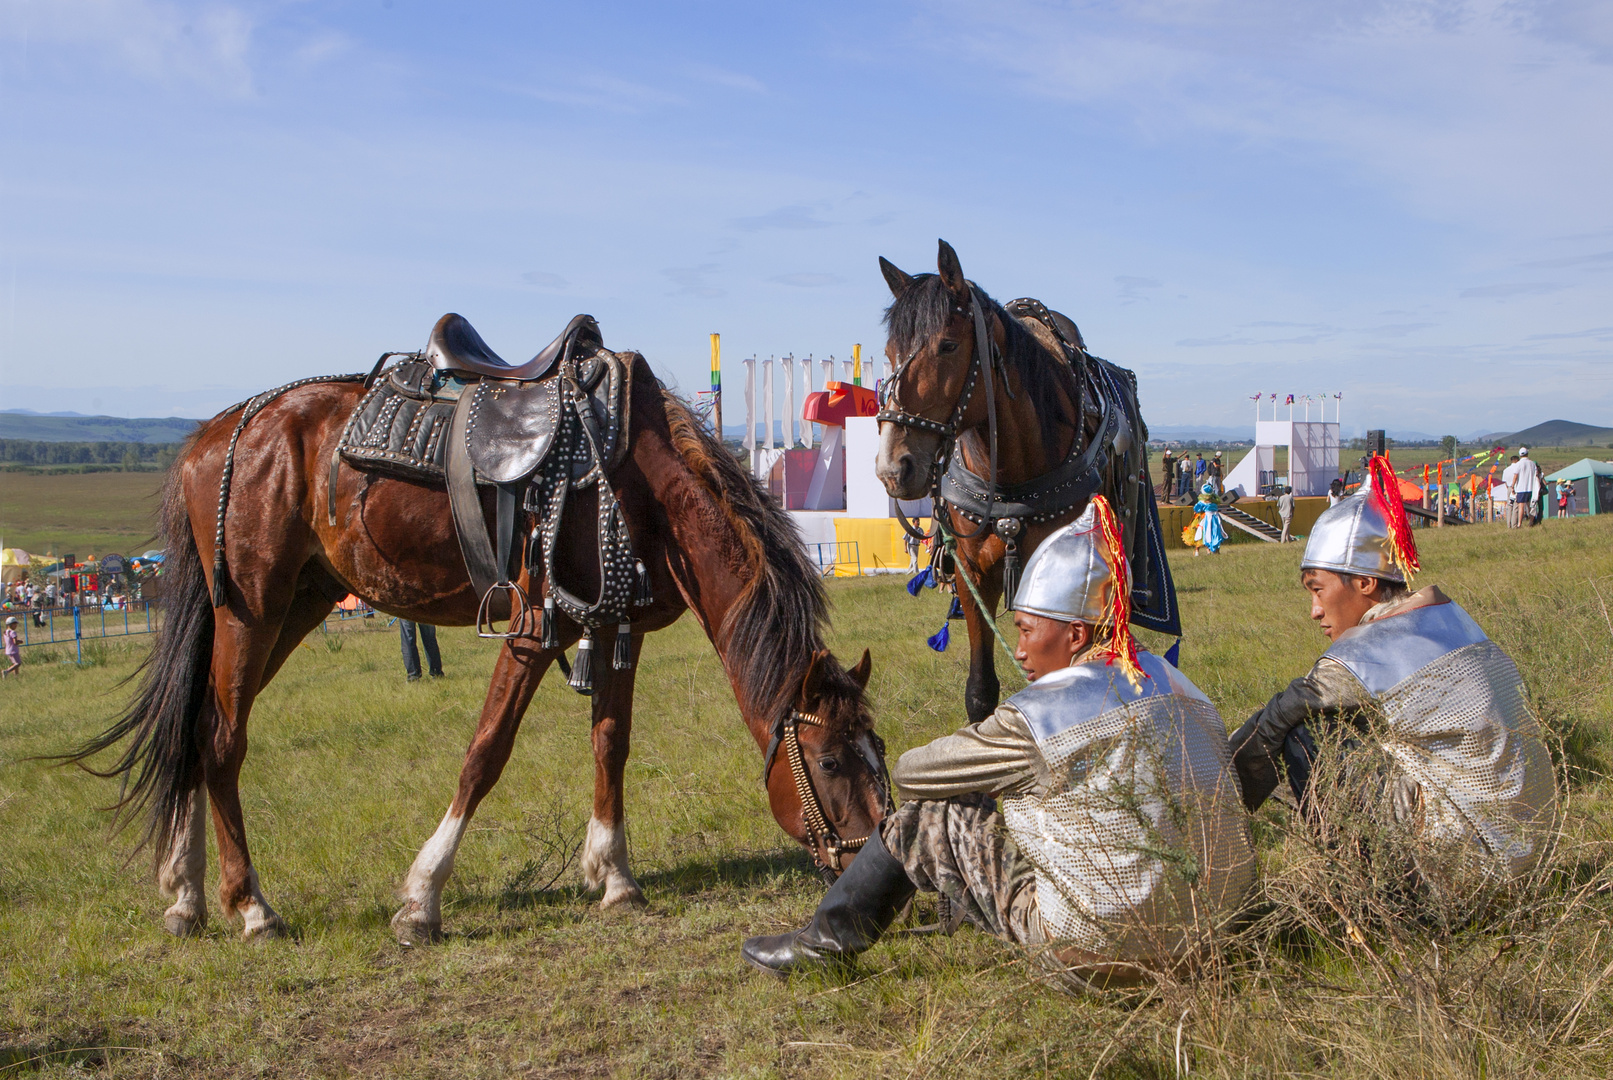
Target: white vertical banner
[(810, 433), (849, 377), (790, 415), (767, 404), (828, 371), (750, 404)]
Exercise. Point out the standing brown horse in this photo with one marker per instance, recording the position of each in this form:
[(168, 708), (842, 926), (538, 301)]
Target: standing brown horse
[(1011, 425), (713, 543)]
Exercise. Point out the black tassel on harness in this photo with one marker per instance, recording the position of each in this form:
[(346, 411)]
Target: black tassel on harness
[(1010, 575), (623, 659), (641, 594), (582, 669), (549, 634)]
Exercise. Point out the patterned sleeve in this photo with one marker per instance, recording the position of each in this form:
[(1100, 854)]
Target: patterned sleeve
[(1327, 692), (997, 756)]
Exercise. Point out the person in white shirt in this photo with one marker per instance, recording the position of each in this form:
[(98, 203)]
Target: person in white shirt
[(1523, 476)]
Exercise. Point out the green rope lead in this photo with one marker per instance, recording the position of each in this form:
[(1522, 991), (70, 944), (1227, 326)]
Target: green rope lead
[(950, 543)]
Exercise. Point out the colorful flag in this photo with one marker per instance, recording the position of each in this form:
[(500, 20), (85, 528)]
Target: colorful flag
[(1290, 400)]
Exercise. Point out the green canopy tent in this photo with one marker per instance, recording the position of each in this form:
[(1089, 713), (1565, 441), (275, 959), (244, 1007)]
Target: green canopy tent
[(1593, 487)]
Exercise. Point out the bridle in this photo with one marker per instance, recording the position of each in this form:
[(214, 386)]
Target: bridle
[(990, 506), (786, 732), (891, 411)]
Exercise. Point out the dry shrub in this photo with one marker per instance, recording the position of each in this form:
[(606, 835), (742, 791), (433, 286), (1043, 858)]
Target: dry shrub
[(1372, 954)]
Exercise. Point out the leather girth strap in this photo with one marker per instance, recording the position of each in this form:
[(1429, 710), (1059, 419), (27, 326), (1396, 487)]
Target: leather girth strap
[(486, 567)]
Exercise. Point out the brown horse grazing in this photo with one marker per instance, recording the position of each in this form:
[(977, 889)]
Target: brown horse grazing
[(1003, 417), (713, 542)]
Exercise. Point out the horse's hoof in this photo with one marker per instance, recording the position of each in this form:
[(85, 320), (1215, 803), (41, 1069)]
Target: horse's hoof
[(267, 930), (623, 896), (184, 924), (412, 926)]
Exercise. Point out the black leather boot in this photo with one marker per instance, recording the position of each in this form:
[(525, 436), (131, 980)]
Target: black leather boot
[(856, 911)]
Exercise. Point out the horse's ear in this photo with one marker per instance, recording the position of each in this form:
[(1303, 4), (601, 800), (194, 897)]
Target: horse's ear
[(860, 673), (895, 277), (952, 271), (812, 681)]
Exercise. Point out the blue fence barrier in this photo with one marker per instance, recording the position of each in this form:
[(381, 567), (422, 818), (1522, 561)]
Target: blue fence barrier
[(844, 555), (72, 626)]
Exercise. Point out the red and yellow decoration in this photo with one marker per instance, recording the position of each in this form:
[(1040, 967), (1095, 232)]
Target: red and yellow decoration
[(1402, 549), (1122, 645)]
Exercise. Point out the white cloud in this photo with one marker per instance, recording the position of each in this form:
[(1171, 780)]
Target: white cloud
[(606, 93), (1481, 112), (807, 280), (785, 217), (206, 45)]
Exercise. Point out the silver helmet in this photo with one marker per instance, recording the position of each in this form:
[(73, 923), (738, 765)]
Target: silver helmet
[(1355, 537), (1068, 577)]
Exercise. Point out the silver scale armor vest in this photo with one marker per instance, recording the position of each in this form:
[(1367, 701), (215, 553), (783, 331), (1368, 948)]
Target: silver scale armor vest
[(1458, 725), (1141, 845)]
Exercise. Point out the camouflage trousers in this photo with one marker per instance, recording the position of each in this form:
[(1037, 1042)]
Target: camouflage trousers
[(960, 848)]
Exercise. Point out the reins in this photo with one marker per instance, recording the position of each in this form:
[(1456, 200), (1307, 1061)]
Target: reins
[(786, 732)]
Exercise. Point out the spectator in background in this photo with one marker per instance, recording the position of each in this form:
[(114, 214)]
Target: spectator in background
[(1285, 511), (1185, 480), (1565, 499), (1335, 492), (1525, 481), (1167, 471), (411, 655), (13, 649), (1214, 473), (1199, 469), (1509, 477)]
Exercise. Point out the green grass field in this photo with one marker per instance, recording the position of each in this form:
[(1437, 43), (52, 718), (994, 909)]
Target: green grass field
[(84, 514), (351, 768)]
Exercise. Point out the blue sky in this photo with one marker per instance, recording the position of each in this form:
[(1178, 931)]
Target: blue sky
[(1408, 202)]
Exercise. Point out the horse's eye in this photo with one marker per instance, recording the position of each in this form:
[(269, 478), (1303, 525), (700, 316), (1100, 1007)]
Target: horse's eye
[(947, 347), (829, 765)]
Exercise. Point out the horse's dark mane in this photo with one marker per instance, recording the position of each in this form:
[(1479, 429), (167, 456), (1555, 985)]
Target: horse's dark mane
[(769, 636), (921, 312)]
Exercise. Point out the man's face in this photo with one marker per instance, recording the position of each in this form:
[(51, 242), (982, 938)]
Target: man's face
[(1338, 602), (1045, 645)]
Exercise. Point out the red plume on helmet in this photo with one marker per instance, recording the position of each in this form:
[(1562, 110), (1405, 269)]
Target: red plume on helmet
[(1386, 490), (1122, 645)]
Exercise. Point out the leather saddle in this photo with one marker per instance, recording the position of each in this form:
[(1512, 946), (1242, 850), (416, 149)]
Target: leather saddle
[(456, 348), (401, 426), (459, 415)]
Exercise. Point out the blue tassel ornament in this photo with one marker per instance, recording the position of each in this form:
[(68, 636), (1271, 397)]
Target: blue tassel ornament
[(918, 581), (1173, 654), (956, 610), (941, 638)]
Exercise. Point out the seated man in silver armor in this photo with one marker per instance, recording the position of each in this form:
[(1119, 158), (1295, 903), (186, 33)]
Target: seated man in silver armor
[(1119, 845), (1461, 774)]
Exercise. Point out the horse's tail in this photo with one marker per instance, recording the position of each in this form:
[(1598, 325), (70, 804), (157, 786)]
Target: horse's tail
[(161, 765)]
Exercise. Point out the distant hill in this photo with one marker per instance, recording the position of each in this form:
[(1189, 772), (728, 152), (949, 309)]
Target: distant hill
[(1556, 433), (15, 424), (1190, 434)]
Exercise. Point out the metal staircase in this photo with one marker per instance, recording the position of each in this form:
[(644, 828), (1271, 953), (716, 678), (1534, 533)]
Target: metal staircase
[(1250, 524)]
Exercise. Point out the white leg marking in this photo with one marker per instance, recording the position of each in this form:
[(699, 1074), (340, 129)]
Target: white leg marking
[(182, 873), (604, 863), (261, 920), (420, 917)]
